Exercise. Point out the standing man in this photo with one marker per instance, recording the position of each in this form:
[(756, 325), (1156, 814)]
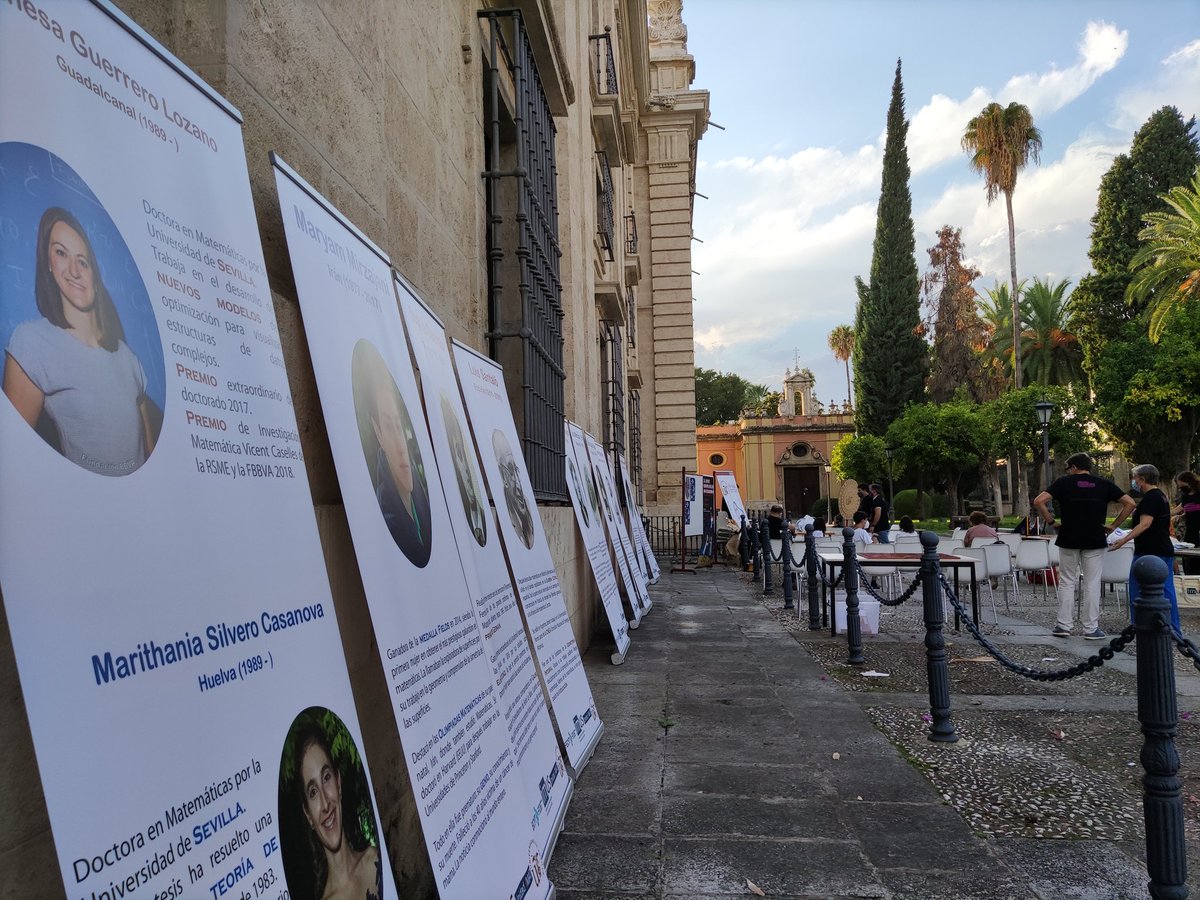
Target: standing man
[(1083, 500), (881, 525)]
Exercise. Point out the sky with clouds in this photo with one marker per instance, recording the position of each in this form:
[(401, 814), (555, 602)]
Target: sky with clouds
[(802, 88)]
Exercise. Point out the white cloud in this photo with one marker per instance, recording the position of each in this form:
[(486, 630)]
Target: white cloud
[(1100, 49), (1177, 83), (935, 132)]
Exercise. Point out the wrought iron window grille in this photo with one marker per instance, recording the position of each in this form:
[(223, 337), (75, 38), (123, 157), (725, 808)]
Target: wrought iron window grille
[(631, 235), (605, 226), (524, 287), (613, 349), (631, 314), (604, 65), (635, 439)]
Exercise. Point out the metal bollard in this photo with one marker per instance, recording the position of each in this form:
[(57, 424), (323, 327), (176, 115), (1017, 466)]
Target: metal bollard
[(937, 671), (1162, 798), (789, 598), (850, 582), (751, 538), (744, 545), (768, 559), (811, 562)]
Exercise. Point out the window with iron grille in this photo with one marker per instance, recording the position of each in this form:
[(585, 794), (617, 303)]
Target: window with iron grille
[(635, 440), (605, 222), (631, 237), (631, 304), (524, 288), (612, 349)]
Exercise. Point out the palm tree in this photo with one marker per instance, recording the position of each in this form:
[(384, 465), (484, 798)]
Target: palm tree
[(1167, 267), (1052, 354), (1001, 141), (841, 342), (997, 314)]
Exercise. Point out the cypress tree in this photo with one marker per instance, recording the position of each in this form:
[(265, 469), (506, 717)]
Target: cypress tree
[(891, 358), (1164, 155)]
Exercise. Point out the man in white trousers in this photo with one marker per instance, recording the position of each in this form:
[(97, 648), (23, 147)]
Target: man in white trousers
[(1083, 500)]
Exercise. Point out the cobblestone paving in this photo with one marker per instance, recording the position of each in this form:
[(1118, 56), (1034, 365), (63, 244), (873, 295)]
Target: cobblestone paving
[(1035, 760)]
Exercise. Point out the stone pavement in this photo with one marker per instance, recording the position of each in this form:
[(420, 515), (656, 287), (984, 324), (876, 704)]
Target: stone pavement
[(730, 755)]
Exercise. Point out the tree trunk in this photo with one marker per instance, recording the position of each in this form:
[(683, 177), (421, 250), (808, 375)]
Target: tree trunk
[(849, 390), (1021, 506), (952, 491), (1016, 300)]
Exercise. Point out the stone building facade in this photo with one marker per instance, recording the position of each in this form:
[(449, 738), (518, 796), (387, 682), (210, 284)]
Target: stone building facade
[(784, 458), (397, 112)]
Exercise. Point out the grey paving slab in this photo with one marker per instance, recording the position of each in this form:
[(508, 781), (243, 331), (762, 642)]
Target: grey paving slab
[(732, 752)]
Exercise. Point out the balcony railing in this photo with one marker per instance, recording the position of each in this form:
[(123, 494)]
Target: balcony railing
[(604, 206), (604, 66)]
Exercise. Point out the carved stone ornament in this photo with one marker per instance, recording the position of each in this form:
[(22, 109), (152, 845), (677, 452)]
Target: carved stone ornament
[(662, 101), (666, 20)]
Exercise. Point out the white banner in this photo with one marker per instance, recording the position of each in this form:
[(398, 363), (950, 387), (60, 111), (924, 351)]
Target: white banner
[(547, 784), (631, 573), (586, 500), (693, 505), (732, 497), (538, 588), (640, 539), (467, 787), (162, 576)]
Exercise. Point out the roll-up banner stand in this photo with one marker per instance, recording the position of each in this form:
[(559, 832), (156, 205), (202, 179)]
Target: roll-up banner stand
[(538, 588), (631, 573), (162, 575), (693, 505), (547, 785), (586, 501), (732, 497), (464, 774), (640, 538)]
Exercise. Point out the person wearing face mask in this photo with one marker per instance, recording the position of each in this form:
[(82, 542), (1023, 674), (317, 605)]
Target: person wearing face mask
[(1151, 535)]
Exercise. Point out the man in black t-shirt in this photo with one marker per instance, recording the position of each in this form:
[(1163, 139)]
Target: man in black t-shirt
[(877, 508), (1082, 500), (1151, 535)]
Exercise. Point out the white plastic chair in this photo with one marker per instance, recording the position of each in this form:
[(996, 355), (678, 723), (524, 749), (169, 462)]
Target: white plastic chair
[(957, 533), (1000, 565), (1013, 541), (1034, 556), (950, 545), (906, 540), (1116, 569), (890, 573), (982, 574)]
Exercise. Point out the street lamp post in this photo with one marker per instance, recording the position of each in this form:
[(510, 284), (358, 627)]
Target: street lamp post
[(888, 452), (1043, 408)]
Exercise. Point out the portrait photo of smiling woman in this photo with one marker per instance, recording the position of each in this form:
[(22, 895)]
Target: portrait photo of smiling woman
[(327, 827), (80, 354), (72, 365)]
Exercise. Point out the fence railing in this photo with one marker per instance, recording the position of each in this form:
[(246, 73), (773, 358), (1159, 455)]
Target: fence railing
[(663, 532)]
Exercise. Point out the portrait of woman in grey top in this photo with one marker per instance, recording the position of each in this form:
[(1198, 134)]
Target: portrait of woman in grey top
[(70, 374)]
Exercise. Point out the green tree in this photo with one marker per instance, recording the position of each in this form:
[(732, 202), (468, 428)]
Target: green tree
[(720, 396), (841, 342), (1050, 352), (1167, 268), (942, 442), (1148, 395), (859, 456), (1164, 155), (1002, 140), (1012, 422), (891, 359), (995, 352), (957, 329)]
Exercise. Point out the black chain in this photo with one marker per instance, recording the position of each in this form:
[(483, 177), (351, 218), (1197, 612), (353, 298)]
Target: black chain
[(1186, 648), (864, 584), (1117, 644)]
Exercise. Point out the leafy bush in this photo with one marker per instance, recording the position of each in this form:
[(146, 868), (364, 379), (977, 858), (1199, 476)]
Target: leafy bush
[(935, 504), (821, 508)]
